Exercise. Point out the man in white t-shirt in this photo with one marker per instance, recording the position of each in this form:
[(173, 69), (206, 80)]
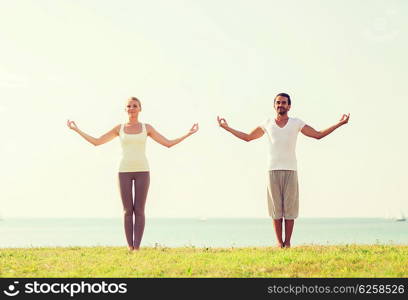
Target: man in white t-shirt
[(283, 190)]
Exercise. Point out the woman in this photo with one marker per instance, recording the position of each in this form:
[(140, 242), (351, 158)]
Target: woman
[(133, 167)]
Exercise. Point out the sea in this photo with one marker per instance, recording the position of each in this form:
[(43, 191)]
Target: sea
[(200, 232)]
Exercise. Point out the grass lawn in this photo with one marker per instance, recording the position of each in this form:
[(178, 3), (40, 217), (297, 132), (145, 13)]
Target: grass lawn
[(301, 261)]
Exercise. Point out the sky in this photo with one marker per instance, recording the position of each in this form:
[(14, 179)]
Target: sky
[(189, 61)]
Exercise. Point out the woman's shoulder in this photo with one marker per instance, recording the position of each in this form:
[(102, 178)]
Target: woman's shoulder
[(117, 128), (148, 128)]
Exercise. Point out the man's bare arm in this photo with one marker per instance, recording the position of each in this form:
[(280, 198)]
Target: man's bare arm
[(311, 132), (255, 134)]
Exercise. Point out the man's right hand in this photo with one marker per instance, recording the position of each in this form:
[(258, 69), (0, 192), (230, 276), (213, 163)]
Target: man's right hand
[(222, 123)]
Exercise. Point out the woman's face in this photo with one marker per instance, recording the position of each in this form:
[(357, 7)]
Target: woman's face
[(133, 107)]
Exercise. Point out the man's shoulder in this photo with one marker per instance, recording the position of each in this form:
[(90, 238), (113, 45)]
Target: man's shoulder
[(298, 123), (298, 120), (266, 121)]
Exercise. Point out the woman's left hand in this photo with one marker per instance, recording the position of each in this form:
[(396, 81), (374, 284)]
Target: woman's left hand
[(193, 129), (344, 119)]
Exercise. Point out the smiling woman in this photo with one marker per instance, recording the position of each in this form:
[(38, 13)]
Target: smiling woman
[(134, 167)]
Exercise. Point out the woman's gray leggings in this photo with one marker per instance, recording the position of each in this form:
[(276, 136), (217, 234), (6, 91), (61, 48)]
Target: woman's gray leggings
[(141, 181)]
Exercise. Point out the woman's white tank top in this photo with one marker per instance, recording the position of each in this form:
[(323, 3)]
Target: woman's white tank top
[(133, 151)]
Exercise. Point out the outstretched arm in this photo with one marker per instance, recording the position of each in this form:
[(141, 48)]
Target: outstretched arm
[(155, 135), (255, 134), (110, 135), (311, 132)]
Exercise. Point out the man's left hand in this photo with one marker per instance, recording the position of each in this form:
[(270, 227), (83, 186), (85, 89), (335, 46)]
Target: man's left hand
[(344, 119)]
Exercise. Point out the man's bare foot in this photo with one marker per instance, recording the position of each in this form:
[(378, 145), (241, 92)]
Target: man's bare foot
[(136, 249), (281, 245), (131, 248), (286, 245)]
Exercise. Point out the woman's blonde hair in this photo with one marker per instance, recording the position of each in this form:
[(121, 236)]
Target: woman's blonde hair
[(135, 99)]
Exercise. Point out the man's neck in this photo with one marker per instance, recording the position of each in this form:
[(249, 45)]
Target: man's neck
[(281, 117)]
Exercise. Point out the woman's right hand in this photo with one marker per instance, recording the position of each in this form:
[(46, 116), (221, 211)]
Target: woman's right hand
[(193, 129), (72, 125)]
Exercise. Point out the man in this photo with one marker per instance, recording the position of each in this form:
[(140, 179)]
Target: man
[(282, 132)]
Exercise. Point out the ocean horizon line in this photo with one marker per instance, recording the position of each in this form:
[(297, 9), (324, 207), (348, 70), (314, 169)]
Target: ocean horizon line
[(186, 218), (3, 218)]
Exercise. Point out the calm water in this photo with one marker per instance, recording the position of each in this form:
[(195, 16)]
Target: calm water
[(188, 232)]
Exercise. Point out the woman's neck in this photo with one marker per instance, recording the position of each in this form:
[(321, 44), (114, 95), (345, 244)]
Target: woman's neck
[(133, 120)]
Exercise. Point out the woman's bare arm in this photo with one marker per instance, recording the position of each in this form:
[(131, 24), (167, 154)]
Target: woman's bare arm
[(156, 136), (110, 135)]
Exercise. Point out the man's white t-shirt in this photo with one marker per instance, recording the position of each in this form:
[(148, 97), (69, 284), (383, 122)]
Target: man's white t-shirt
[(282, 143)]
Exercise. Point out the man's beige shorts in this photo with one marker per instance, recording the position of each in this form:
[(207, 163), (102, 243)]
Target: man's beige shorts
[(283, 194)]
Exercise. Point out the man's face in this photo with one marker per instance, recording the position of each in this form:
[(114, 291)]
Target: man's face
[(281, 105)]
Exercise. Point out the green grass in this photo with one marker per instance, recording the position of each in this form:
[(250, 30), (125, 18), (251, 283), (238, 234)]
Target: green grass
[(301, 261)]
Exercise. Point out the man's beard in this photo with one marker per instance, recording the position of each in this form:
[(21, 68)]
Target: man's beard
[(282, 112)]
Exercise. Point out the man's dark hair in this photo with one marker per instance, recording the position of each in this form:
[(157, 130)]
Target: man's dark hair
[(283, 95)]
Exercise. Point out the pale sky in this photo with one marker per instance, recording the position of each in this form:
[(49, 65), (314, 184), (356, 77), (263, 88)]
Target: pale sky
[(189, 61)]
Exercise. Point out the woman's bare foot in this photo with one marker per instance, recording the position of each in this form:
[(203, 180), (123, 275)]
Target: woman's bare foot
[(286, 245), (281, 245), (131, 248), (136, 249)]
